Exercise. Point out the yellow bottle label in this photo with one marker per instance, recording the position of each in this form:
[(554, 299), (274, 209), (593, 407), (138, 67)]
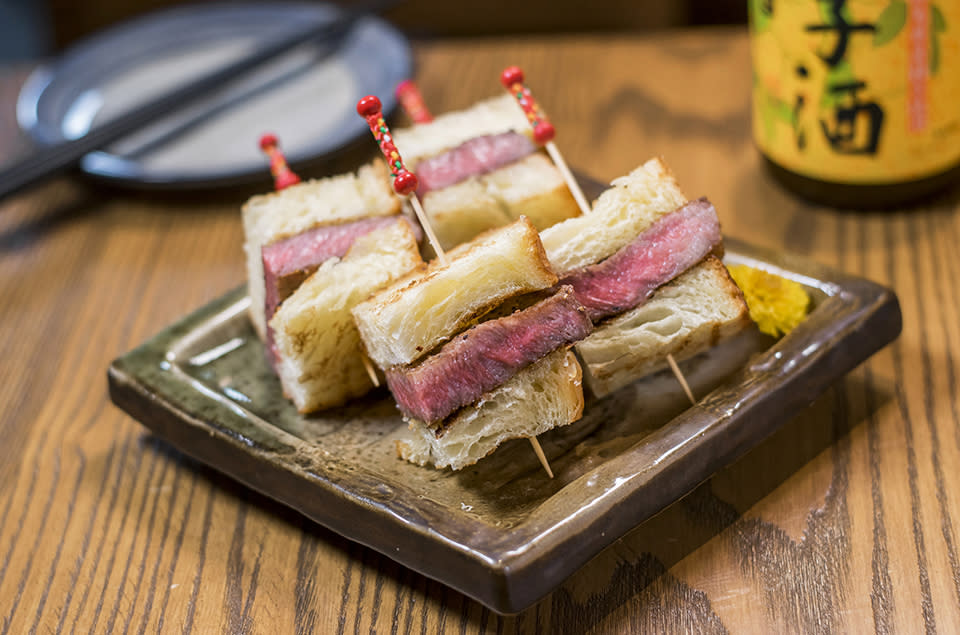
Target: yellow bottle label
[(857, 91)]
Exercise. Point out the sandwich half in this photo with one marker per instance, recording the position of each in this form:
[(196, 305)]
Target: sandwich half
[(687, 316), (479, 169), (545, 395), (319, 355), (645, 265), (288, 234), (475, 350)]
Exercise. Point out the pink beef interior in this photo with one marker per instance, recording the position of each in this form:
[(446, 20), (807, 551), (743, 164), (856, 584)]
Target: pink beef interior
[(286, 263), (666, 249), (472, 158), (486, 356)]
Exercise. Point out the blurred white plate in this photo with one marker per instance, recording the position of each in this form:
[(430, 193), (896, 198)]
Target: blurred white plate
[(307, 97)]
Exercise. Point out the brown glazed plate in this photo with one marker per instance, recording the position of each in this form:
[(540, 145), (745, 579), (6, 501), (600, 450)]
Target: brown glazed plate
[(501, 531)]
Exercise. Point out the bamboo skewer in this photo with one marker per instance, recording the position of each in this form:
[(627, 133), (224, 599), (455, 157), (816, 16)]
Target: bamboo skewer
[(427, 228), (404, 181), (680, 378), (540, 455), (543, 130), (412, 102), (572, 184), (367, 366)]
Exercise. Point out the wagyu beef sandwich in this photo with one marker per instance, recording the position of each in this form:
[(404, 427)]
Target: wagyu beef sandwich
[(291, 232), (319, 356), (644, 265), (314, 250), (475, 349), (478, 169)]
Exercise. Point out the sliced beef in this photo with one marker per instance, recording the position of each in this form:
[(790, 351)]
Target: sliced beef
[(472, 158), (666, 249), (485, 356), (288, 262)]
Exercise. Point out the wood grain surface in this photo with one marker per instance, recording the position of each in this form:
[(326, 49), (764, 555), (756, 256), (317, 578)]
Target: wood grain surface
[(846, 520)]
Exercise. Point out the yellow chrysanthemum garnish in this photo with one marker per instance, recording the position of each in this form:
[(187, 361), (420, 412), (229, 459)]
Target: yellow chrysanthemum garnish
[(776, 304)]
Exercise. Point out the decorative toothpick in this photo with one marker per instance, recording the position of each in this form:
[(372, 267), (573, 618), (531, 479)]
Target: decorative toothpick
[(283, 176), (543, 130), (412, 102), (404, 181)]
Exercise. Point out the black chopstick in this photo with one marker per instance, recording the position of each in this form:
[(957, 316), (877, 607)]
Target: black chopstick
[(57, 158)]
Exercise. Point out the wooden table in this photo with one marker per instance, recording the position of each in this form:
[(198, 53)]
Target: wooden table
[(845, 520)]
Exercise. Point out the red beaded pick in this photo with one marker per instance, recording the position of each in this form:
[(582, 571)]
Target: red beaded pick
[(412, 102), (283, 176), (511, 75), (268, 141), (404, 181), (512, 80)]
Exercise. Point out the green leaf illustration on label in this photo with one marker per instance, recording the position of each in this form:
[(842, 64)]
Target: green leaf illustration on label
[(937, 26), (760, 12), (936, 17), (890, 22)]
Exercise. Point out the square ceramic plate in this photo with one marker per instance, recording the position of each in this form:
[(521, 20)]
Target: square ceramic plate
[(500, 531)]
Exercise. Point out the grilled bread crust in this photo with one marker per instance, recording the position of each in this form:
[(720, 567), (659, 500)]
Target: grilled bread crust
[(630, 205), (533, 187), (461, 211)]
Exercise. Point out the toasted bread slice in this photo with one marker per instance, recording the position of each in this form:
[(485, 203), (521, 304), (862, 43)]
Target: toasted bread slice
[(339, 199), (684, 317), (629, 206), (459, 212), (490, 116), (541, 397), (532, 187), (404, 321), (321, 362)]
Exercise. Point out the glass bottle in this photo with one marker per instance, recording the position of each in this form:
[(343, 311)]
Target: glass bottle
[(856, 103)]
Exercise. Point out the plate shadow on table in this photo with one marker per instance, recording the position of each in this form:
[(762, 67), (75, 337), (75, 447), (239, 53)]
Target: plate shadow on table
[(639, 563)]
